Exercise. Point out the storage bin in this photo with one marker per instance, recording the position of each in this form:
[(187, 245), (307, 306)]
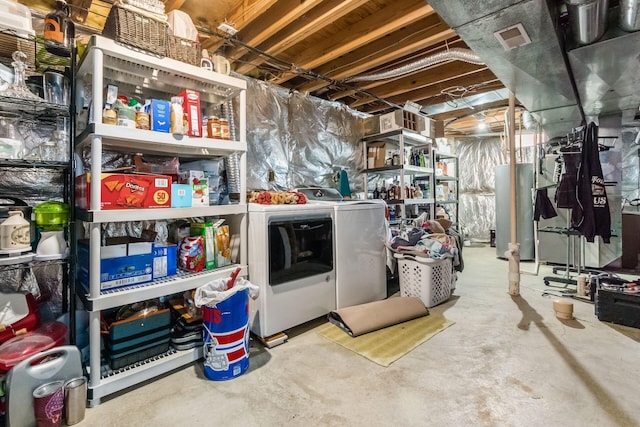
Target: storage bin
[(135, 30), (429, 279), (183, 50), (618, 307)]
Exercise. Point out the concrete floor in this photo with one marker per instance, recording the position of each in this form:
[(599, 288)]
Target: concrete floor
[(506, 362)]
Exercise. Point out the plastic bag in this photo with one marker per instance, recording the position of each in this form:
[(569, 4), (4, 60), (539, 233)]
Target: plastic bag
[(216, 291)]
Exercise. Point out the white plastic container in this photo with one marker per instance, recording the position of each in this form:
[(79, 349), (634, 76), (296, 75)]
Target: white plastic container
[(16, 17)]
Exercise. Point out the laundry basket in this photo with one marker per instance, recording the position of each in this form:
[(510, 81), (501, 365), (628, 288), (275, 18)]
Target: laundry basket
[(429, 279)]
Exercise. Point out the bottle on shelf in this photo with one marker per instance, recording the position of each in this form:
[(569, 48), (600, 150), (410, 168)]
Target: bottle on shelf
[(383, 192), (423, 160), (417, 192), (376, 192), (59, 30)]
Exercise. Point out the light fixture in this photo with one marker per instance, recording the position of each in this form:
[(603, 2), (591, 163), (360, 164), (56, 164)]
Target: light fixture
[(482, 125)]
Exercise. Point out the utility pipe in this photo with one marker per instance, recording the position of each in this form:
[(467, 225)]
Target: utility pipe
[(513, 253)]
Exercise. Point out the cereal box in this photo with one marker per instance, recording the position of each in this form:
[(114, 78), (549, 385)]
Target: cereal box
[(125, 191)]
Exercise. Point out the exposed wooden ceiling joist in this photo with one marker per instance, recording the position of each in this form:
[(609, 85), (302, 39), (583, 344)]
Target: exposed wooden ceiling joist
[(380, 52), (365, 31), (310, 23)]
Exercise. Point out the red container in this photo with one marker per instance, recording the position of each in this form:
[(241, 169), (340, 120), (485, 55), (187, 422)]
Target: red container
[(25, 314), (44, 337)]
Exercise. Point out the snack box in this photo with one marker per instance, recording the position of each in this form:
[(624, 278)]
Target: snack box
[(206, 229), (124, 261), (165, 258), (181, 195), (160, 115), (191, 107), (125, 191), (223, 246)]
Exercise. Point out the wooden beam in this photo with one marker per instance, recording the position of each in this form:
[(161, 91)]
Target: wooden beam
[(387, 20), (273, 20), (424, 94), (170, 5), (313, 21), (436, 75), (379, 53), (79, 10), (245, 14)]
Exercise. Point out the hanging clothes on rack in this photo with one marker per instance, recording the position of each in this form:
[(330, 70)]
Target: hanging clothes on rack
[(593, 218), (566, 192), (543, 206)]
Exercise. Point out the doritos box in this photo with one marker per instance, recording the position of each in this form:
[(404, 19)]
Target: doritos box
[(191, 107), (125, 191)]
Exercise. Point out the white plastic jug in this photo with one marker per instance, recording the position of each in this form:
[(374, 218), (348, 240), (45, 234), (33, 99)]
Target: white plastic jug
[(15, 232), (51, 243)]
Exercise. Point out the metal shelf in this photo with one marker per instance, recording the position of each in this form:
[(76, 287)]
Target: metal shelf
[(150, 142), (140, 372), (121, 215), (40, 109), (444, 156), (408, 169), (423, 201), (409, 138), (181, 282), (26, 164), (445, 178), (442, 202)]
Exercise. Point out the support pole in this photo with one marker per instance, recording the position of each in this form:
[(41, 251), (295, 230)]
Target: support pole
[(514, 246)]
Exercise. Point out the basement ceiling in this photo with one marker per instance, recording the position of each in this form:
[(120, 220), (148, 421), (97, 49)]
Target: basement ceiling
[(320, 46)]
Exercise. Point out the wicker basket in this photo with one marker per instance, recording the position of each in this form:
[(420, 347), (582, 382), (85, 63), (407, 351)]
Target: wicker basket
[(137, 31), (184, 50)]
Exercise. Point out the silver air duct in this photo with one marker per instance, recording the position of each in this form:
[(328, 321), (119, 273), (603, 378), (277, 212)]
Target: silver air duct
[(455, 54)]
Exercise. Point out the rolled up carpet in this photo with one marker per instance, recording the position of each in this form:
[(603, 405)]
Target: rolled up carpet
[(363, 318)]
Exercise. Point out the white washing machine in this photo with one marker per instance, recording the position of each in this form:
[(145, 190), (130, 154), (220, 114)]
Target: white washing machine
[(291, 257), (360, 236)]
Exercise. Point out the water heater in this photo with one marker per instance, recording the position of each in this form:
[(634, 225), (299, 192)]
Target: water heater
[(524, 217)]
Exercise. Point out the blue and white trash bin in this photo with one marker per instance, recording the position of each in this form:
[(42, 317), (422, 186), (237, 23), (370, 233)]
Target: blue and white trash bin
[(225, 315)]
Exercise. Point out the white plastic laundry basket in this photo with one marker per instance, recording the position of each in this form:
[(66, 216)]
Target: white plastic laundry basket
[(429, 279)]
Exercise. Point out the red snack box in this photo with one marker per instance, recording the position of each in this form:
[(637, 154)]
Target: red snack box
[(125, 191), (191, 107)]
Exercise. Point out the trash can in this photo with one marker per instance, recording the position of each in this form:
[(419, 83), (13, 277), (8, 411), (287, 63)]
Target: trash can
[(226, 337)]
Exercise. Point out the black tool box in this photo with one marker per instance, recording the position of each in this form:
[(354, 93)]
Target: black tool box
[(618, 307)]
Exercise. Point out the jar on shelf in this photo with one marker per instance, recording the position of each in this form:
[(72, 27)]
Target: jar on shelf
[(59, 30), (11, 143)]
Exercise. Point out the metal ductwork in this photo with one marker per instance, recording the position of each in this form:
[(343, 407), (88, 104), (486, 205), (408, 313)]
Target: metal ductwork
[(537, 72), (455, 54)]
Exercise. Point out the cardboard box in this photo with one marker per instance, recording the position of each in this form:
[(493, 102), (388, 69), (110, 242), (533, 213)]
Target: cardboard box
[(378, 151), (124, 261), (206, 230), (125, 191), (191, 107), (160, 115), (197, 180), (165, 259), (181, 195)]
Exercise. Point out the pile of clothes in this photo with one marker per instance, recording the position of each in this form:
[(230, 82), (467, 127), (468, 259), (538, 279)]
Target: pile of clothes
[(431, 238)]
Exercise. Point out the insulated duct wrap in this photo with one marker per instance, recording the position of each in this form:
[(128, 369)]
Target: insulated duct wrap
[(302, 140), (478, 159), (455, 54)]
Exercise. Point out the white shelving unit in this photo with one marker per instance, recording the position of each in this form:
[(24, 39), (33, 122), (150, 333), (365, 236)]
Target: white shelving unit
[(105, 61), (449, 182), (402, 141)]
